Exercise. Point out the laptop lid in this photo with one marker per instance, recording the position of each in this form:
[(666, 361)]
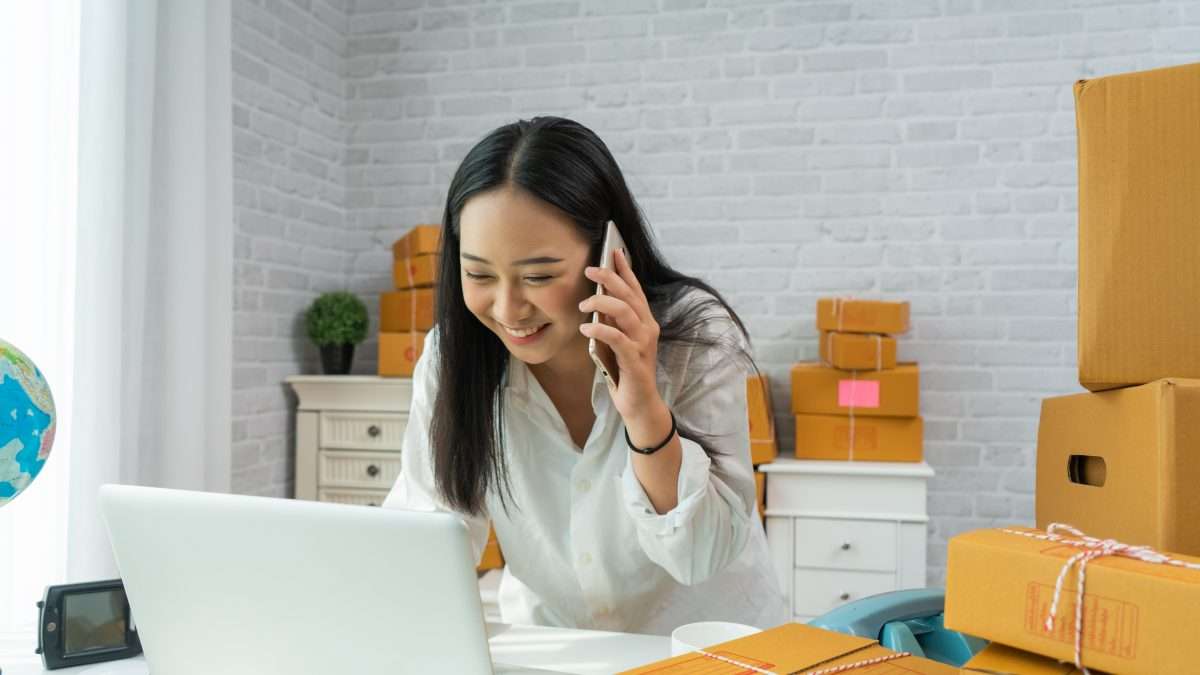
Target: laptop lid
[(235, 584)]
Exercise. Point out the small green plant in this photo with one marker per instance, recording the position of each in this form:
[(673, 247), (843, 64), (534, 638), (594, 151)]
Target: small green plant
[(336, 318)]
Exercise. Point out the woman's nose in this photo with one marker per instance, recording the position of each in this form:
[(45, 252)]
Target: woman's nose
[(510, 306)]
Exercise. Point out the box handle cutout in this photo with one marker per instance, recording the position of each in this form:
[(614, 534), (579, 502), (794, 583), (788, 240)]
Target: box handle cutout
[(1087, 470)]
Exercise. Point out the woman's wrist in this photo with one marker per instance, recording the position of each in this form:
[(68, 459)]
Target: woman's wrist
[(650, 428)]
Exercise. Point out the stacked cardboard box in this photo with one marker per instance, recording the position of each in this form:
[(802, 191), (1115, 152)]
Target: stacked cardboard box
[(763, 447), (858, 403), (406, 314), (1122, 463)]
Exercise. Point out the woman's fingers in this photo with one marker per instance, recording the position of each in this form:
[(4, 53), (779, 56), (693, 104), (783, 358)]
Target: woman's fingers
[(626, 272), (616, 286), (625, 349), (618, 310)]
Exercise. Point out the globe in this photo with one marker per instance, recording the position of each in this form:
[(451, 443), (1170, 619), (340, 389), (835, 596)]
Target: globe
[(26, 422)]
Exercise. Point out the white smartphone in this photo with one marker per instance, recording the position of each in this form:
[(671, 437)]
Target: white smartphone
[(602, 355)]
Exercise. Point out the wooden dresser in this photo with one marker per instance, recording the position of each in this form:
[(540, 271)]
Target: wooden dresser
[(840, 531), (349, 437)]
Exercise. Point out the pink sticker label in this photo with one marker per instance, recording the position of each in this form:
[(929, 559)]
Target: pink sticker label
[(858, 393)]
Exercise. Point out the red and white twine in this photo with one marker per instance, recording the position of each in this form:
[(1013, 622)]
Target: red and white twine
[(1093, 548)]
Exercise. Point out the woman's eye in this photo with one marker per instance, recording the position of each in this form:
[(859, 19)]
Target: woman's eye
[(476, 277), (538, 279)]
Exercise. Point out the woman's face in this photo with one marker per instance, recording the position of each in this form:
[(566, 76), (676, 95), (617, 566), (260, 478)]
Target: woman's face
[(522, 266)]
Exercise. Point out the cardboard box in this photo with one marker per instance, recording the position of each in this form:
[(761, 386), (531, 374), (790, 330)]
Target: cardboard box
[(856, 351), (1124, 464), (398, 353), (1138, 618), (789, 649), (1139, 205), (493, 558), (760, 488), (763, 447), (844, 315), (998, 658), (865, 439), (821, 390), (420, 240), (419, 272), (401, 311)]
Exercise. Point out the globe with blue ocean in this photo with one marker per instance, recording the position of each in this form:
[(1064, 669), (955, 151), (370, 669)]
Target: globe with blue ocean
[(26, 422)]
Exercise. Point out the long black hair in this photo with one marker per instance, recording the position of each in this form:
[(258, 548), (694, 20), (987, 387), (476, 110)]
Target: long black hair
[(564, 164)]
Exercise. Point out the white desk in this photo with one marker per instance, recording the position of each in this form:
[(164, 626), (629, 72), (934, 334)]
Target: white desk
[(586, 652)]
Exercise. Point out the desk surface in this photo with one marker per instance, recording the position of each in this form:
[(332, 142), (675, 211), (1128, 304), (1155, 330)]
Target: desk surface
[(585, 652)]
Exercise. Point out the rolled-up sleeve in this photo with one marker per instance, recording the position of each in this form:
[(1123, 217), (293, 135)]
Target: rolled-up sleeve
[(710, 524), (415, 488)]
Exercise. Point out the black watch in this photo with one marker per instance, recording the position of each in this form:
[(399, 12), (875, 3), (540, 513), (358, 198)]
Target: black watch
[(660, 446)]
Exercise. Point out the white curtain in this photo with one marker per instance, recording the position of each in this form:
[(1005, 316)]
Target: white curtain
[(153, 295)]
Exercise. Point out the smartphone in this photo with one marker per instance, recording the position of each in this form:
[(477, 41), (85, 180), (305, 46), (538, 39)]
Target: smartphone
[(602, 355)]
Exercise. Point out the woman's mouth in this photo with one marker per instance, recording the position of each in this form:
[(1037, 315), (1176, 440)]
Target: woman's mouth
[(524, 336)]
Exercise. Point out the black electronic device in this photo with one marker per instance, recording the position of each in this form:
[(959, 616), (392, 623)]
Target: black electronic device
[(85, 623)]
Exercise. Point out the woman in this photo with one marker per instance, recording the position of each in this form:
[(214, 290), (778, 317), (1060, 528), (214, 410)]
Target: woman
[(628, 509)]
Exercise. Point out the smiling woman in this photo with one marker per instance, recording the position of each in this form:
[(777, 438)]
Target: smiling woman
[(628, 507)]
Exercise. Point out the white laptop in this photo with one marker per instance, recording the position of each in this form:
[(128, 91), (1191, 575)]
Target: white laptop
[(236, 584)]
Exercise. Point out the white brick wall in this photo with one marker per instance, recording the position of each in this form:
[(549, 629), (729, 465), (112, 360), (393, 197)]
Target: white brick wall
[(918, 149), (290, 201)]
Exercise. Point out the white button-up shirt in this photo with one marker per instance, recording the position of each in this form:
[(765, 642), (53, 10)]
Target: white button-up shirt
[(583, 546)]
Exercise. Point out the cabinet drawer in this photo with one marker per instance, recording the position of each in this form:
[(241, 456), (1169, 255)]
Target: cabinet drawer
[(362, 431), (868, 545), (355, 497), (347, 468), (818, 591)]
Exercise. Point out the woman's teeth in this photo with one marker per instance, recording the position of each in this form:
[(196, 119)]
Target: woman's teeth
[(523, 333)]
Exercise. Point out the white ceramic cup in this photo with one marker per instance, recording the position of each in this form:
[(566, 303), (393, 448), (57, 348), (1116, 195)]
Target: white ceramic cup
[(692, 636)]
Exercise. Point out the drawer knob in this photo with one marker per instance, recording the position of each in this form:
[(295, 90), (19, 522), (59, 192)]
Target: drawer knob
[(844, 596), (372, 470), (373, 431), (845, 546)]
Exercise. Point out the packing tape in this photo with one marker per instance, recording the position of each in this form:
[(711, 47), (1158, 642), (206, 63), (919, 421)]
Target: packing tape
[(1093, 548)]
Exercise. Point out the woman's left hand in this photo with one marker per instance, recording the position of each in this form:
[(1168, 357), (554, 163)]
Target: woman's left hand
[(633, 340)]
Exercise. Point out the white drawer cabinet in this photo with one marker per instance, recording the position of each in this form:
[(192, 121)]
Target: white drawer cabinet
[(349, 432), (841, 531)]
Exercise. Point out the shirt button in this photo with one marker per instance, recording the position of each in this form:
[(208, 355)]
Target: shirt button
[(584, 485), (585, 559)]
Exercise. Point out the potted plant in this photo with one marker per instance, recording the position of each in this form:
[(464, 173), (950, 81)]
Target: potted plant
[(336, 322)]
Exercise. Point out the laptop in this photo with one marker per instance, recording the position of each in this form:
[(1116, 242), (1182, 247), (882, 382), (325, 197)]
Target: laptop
[(236, 584)]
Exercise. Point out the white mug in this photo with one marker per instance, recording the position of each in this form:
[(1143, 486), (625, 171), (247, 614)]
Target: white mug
[(692, 636)]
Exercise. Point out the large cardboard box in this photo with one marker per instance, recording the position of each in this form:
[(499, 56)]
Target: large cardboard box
[(401, 311), (997, 658), (420, 240), (492, 558), (398, 353), (418, 272), (845, 315), (1124, 464), (821, 390), (763, 447), (1139, 618), (864, 439), (760, 489), (856, 351), (1139, 227), (790, 649)]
